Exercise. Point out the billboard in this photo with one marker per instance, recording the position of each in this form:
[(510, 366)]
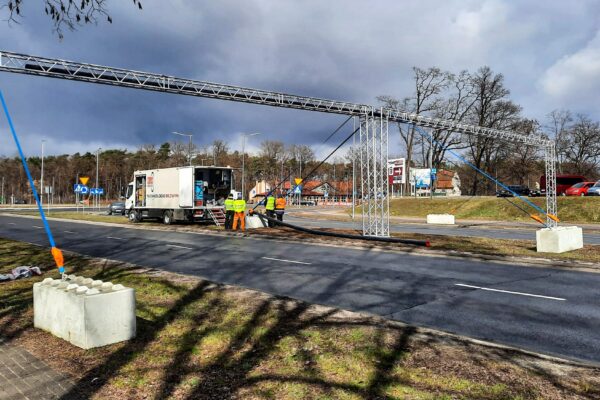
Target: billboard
[(396, 169), (420, 177)]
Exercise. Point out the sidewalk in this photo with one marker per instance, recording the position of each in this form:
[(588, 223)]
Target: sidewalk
[(23, 376)]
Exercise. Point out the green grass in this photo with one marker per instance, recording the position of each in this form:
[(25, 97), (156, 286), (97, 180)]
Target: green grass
[(197, 339), (570, 209)]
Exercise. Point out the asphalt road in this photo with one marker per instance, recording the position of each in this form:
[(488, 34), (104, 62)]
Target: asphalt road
[(475, 230), (548, 310)]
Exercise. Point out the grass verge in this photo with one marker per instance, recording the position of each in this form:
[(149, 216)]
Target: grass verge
[(570, 209), (197, 339)]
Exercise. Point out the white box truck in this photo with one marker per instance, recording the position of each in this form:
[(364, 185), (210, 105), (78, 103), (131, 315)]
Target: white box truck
[(194, 193)]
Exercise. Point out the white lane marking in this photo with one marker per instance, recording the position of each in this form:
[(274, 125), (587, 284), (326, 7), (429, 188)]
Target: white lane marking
[(179, 247), (115, 238), (11, 223), (38, 227), (68, 232), (290, 261), (510, 292)]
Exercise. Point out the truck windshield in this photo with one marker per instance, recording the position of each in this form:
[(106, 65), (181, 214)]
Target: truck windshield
[(129, 191)]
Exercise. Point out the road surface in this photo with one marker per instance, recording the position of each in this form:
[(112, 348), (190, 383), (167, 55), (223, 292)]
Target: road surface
[(553, 311), (475, 230)]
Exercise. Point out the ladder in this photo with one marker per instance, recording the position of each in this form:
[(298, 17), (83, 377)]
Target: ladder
[(217, 215)]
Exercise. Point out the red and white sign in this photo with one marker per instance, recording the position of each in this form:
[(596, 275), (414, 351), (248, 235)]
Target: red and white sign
[(396, 168)]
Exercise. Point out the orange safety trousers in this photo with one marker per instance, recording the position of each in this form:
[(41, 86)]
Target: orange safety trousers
[(239, 216)]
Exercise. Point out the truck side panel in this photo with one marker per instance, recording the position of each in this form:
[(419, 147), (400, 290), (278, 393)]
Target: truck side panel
[(186, 189)]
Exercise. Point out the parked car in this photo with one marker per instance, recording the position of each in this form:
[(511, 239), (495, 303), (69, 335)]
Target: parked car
[(20, 201), (118, 207), (579, 189), (594, 190), (521, 190), (563, 182)]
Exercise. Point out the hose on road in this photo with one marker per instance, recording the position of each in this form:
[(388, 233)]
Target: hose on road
[(412, 242)]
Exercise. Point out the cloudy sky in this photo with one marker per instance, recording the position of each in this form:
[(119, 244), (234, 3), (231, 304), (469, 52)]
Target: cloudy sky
[(549, 52)]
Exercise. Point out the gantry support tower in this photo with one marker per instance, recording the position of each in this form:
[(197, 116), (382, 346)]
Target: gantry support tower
[(373, 120)]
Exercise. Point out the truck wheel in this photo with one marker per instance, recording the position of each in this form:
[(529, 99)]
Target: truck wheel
[(134, 216), (168, 218)]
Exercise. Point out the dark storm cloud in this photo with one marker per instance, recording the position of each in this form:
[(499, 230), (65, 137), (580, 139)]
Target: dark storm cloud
[(346, 50)]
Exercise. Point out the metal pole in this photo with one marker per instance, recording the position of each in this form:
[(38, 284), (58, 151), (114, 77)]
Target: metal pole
[(190, 151), (42, 175), (243, 163), (353, 168), (431, 167), (97, 167), (3, 199)]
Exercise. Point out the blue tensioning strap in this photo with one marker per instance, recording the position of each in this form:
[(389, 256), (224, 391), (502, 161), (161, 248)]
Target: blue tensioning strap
[(24, 161), (480, 171)]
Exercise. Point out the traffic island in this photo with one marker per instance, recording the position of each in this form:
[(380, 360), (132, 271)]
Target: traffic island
[(440, 219), (559, 239), (87, 313)]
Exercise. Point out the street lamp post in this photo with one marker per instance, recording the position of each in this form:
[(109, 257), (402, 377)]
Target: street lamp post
[(42, 176), (97, 168), (190, 145), (244, 136)]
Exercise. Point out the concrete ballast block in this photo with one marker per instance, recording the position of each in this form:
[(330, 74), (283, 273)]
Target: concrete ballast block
[(440, 219), (253, 222), (87, 316), (559, 239)]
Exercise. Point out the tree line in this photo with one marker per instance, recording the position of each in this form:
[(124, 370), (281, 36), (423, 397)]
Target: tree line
[(274, 162)]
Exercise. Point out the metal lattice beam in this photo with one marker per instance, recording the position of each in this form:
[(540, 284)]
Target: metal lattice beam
[(55, 68)]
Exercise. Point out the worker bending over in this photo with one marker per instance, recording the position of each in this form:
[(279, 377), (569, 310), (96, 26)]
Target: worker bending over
[(280, 207), (229, 211), (239, 207), (270, 209)]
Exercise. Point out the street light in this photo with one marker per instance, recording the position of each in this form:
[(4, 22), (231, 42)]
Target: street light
[(97, 163), (42, 176), (244, 136), (190, 146)]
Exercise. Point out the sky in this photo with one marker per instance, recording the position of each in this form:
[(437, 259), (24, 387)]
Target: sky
[(548, 51)]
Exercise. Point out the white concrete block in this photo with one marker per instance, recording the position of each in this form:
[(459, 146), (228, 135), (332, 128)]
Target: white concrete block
[(86, 316), (559, 239), (253, 222), (440, 219)]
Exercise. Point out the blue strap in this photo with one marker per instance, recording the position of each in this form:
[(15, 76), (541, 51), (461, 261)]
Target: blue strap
[(24, 161)]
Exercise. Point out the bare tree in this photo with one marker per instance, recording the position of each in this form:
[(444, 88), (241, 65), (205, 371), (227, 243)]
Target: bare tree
[(429, 83), (65, 13), (457, 107), (560, 123), (582, 148), (492, 109)]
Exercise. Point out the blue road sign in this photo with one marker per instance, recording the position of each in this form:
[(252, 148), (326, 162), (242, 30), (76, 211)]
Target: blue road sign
[(96, 191), (84, 190), (298, 189), (77, 187)]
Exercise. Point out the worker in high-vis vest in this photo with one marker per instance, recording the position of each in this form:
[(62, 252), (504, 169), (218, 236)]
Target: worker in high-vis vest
[(280, 207), (229, 211), (239, 207), (270, 209)]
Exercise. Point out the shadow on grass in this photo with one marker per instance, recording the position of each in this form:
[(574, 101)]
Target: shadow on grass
[(252, 358)]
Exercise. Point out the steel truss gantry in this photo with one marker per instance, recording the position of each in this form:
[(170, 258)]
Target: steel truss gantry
[(374, 178), (55, 68)]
